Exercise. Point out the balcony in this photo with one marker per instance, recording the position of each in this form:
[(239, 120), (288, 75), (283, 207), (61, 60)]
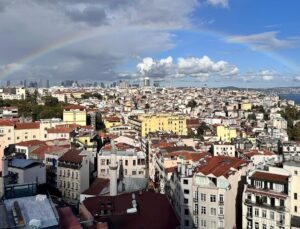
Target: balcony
[(280, 223), (221, 216), (221, 203), (249, 215), (195, 212), (195, 200), (265, 205)]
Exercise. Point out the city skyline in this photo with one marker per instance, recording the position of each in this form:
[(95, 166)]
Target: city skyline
[(190, 43)]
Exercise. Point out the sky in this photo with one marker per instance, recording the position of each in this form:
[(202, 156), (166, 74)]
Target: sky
[(217, 43)]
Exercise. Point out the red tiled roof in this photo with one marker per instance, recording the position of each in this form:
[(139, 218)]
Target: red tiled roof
[(112, 119), (75, 107), (5, 122), (29, 125), (119, 146), (98, 185), (62, 130), (269, 177), (220, 166), (194, 156), (30, 143), (148, 216), (72, 156), (67, 219), (39, 152)]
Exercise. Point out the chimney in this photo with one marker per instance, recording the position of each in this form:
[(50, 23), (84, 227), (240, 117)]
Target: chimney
[(113, 167)]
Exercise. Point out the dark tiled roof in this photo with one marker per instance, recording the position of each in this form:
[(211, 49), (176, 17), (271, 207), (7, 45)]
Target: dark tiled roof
[(154, 211), (98, 185), (67, 219), (72, 156), (270, 177)]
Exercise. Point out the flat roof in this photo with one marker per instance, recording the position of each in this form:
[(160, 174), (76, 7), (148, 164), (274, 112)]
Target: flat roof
[(22, 163), (34, 209)]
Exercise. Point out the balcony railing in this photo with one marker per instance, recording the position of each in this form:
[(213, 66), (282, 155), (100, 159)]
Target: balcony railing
[(195, 212), (195, 200), (221, 202)]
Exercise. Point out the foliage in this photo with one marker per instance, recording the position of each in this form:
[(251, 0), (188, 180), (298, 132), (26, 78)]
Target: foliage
[(147, 106), (30, 108), (192, 104), (100, 124), (290, 114), (90, 95)]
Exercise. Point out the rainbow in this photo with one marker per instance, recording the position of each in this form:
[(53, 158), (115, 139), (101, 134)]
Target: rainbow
[(88, 34)]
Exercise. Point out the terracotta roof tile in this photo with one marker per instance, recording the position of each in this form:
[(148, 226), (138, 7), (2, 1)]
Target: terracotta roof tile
[(267, 176), (72, 156)]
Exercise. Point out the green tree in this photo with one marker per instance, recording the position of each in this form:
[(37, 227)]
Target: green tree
[(192, 104)]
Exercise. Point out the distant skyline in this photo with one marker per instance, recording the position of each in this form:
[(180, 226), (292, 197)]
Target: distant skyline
[(220, 43)]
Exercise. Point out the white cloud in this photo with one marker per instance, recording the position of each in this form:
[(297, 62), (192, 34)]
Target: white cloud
[(267, 75), (265, 41), (222, 3), (297, 78), (191, 66)]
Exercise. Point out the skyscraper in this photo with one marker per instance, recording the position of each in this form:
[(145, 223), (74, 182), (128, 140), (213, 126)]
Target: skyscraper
[(146, 82)]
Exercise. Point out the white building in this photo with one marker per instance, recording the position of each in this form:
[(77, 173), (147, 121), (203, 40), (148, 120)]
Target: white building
[(224, 150)]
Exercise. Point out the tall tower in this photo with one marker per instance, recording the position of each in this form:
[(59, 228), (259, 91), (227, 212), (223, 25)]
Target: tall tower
[(113, 167)]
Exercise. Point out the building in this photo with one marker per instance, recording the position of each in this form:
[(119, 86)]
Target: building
[(207, 196), (266, 200), (72, 175), (165, 122), (28, 212), (225, 134), (223, 149), (9, 112), (146, 82), (27, 171), (75, 114), (140, 209), (131, 161)]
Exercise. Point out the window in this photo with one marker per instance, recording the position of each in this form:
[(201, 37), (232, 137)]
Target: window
[(133, 172), (203, 197), (202, 223), (272, 216), (256, 212), (221, 211), (196, 221), (186, 211), (186, 223), (141, 172), (203, 210), (212, 198), (133, 162), (125, 171), (186, 191), (102, 161), (296, 172), (213, 211), (126, 162), (221, 198), (185, 181), (295, 209), (258, 183), (295, 196), (278, 187), (185, 200), (264, 214), (256, 225)]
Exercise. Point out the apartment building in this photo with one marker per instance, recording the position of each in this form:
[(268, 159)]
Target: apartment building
[(165, 122), (266, 199), (75, 114), (207, 196), (132, 161), (226, 134), (72, 174), (223, 149), (13, 93), (14, 132)]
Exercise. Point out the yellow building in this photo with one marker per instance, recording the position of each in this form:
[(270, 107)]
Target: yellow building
[(75, 114), (159, 122), (246, 106), (225, 133), (111, 121)]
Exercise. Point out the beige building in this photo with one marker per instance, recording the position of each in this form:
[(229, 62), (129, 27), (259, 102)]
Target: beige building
[(266, 199), (206, 196), (72, 174)]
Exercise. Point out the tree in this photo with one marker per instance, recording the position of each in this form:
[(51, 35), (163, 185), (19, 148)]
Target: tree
[(192, 104), (147, 106), (50, 101), (100, 124), (201, 129)]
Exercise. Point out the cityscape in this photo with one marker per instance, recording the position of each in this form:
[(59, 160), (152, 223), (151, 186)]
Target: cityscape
[(161, 114)]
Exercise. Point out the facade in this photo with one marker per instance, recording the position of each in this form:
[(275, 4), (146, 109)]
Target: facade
[(131, 162), (224, 150), (72, 174), (266, 200), (75, 114), (226, 134), (207, 196), (145, 124)]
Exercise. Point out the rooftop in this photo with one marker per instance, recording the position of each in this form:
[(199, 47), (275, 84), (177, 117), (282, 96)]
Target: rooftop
[(267, 176), (73, 156), (147, 216)]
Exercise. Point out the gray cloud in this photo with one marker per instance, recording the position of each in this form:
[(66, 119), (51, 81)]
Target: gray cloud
[(85, 39), (265, 41)]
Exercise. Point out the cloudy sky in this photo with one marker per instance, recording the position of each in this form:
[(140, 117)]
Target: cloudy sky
[(249, 43)]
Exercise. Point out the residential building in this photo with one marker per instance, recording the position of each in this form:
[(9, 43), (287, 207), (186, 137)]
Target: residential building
[(226, 134), (72, 174), (75, 114)]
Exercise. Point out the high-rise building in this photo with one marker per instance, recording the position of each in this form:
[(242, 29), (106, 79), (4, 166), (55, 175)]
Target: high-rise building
[(8, 83), (146, 82), (156, 83), (47, 84)]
